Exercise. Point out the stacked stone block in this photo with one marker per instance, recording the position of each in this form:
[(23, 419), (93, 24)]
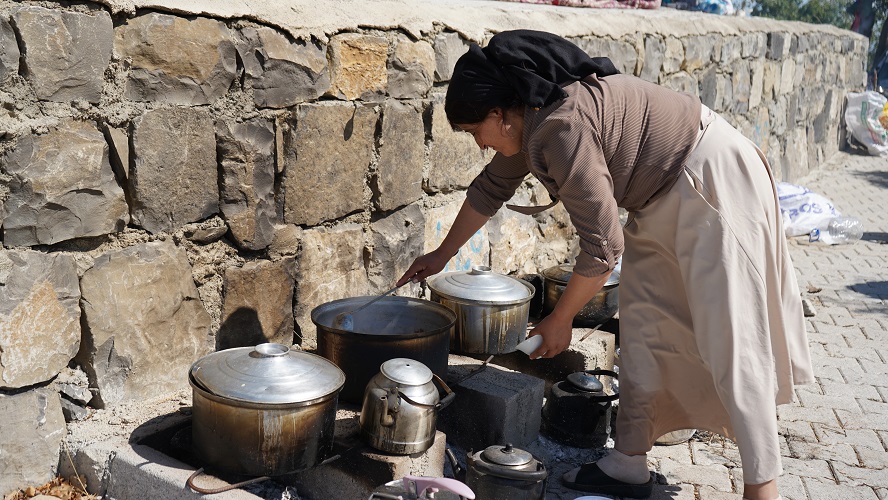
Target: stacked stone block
[(172, 184)]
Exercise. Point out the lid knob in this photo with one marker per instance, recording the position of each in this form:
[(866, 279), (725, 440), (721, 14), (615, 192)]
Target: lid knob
[(506, 456), (270, 349), (480, 270)]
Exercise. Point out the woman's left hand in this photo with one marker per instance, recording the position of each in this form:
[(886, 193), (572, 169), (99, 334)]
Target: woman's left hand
[(556, 334)]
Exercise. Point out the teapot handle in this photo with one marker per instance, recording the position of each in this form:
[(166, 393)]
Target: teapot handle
[(449, 394), (609, 373), (446, 400)]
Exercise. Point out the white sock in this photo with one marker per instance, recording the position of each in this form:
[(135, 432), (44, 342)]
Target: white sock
[(629, 469)]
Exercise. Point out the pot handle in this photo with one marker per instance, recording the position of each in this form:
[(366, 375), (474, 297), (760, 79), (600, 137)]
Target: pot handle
[(518, 475), (449, 394), (443, 403), (599, 372)]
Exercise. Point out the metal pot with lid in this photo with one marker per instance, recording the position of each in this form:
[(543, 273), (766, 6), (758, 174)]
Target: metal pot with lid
[(491, 309), (264, 411), (600, 308), (400, 407), (578, 410), (503, 472)]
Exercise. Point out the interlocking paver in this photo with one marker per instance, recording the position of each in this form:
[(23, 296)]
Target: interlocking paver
[(856, 390), (791, 487), (829, 435), (715, 476), (680, 453), (806, 450), (860, 476), (824, 490)]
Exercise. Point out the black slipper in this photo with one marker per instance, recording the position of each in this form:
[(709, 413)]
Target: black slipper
[(592, 479)]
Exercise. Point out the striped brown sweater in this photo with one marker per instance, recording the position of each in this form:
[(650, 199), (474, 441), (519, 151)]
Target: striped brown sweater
[(618, 141)]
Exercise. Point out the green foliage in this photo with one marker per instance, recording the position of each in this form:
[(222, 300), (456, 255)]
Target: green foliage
[(813, 11)]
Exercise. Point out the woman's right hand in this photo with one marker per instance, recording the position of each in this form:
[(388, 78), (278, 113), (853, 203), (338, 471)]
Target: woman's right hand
[(424, 266)]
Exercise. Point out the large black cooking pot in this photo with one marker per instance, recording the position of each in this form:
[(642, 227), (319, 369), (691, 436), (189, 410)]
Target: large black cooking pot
[(393, 327)]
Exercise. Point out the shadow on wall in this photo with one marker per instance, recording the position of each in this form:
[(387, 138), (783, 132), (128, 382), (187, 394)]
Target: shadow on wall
[(241, 329)]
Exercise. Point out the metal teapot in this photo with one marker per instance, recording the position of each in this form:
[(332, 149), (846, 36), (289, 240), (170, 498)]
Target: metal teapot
[(578, 410), (503, 472), (421, 488), (400, 407)]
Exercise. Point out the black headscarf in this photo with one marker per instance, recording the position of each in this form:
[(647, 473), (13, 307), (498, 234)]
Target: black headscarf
[(523, 63)]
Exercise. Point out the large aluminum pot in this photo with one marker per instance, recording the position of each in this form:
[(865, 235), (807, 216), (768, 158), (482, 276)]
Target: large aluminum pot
[(602, 307), (265, 410), (491, 309), (401, 405), (393, 327)]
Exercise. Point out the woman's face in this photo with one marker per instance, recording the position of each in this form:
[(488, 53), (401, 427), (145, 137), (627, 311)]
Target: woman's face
[(500, 131)]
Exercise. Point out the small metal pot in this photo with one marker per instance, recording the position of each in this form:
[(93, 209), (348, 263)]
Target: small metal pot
[(506, 473), (400, 407), (578, 410), (265, 410), (491, 309), (393, 327), (602, 307)]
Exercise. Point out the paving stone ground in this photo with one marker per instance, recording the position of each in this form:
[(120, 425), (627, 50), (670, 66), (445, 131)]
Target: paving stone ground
[(835, 436)]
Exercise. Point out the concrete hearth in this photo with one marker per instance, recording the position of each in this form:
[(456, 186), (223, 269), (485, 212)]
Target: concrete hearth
[(134, 450)]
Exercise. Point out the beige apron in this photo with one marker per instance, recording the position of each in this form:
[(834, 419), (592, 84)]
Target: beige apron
[(711, 328)]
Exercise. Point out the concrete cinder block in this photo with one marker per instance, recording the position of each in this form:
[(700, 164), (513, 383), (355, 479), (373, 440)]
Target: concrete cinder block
[(360, 469), (139, 472), (594, 351), (494, 406)]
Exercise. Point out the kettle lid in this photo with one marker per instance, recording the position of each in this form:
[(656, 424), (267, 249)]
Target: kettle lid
[(406, 371), (585, 381), (506, 455)]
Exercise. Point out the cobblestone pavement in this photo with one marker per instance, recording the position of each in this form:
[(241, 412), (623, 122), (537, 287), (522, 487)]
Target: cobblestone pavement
[(835, 436)]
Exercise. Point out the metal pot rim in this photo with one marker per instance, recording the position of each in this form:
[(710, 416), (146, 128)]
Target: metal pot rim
[(256, 405), (556, 274), (438, 308)]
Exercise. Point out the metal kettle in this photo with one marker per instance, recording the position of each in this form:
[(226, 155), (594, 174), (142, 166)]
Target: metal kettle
[(400, 407), (578, 410), (503, 472)]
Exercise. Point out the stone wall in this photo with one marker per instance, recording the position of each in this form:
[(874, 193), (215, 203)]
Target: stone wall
[(173, 184)]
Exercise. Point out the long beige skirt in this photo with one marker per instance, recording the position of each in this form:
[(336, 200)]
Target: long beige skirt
[(712, 334)]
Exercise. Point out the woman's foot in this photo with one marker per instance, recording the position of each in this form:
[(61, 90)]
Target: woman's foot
[(616, 474)]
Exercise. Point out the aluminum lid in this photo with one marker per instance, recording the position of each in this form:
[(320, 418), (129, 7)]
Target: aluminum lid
[(562, 273), (482, 286), (585, 381), (506, 455), (404, 371), (267, 373)]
